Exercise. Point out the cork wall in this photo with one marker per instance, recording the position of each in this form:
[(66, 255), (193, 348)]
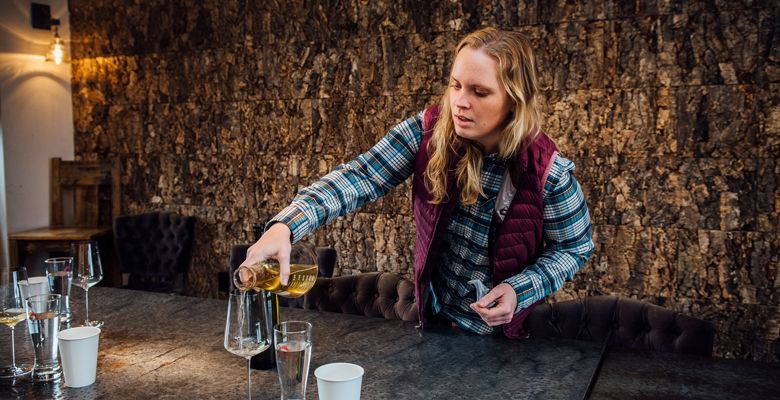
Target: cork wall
[(223, 109)]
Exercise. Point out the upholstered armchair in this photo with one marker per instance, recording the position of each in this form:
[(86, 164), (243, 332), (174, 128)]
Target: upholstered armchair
[(155, 249)]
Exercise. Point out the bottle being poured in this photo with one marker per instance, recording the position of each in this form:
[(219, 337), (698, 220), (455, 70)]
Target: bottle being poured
[(265, 274)]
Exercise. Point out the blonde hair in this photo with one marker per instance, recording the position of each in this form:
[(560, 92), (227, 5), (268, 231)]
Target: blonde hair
[(517, 73)]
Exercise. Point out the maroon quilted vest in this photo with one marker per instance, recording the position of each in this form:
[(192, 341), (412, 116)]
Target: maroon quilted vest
[(516, 231)]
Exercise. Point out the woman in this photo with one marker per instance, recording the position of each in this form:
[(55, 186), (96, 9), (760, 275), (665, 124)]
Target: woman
[(495, 206)]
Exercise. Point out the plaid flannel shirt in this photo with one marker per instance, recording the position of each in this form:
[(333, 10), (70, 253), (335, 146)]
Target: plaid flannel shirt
[(567, 233)]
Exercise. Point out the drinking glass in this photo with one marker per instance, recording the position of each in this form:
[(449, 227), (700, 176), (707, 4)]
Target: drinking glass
[(44, 324), (59, 270), (87, 272), (12, 311), (292, 341), (248, 328)]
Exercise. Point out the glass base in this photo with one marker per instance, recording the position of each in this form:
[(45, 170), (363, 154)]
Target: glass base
[(9, 372), (48, 374), (94, 324)]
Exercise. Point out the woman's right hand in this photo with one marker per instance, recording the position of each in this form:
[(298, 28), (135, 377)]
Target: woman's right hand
[(275, 243)]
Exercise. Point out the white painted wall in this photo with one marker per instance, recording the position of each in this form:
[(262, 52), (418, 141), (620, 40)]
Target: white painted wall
[(36, 116)]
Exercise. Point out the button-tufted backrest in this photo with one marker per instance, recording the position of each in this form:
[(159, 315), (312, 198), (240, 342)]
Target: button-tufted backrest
[(637, 325), (154, 247), (378, 294)]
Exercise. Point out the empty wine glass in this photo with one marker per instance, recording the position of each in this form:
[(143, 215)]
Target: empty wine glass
[(13, 311), (87, 272), (248, 328)]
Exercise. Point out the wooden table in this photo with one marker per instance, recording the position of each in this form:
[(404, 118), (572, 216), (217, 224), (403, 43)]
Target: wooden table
[(170, 347), (57, 241)]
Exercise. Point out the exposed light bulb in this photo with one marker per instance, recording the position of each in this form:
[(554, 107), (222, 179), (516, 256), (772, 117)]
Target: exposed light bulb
[(56, 49)]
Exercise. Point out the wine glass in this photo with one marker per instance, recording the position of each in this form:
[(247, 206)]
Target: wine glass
[(87, 272), (248, 328), (13, 311)]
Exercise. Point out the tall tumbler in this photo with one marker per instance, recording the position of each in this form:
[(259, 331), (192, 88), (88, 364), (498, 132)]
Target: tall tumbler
[(292, 342), (60, 273), (44, 324)]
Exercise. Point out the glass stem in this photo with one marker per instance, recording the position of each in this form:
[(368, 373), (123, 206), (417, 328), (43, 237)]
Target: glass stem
[(13, 349), (86, 304), (248, 379)]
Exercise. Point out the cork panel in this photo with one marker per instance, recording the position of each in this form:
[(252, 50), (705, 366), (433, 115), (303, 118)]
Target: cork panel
[(767, 195), (600, 123), (394, 244), (688, 7), (707, 48), (155, 26), (281, 71), (217, 230), (110, 79), (718, 194), (745, 331), (275, 128), (409, 64), (768, 111), (354, 238), (632, 262), (769, 45), (278, 22), (729, 267), (545, 12), (711, 121), (125, 127), (577, 55)]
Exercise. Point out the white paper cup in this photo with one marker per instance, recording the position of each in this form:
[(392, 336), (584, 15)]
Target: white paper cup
[(339, 381), (78, 351), (33, 286)]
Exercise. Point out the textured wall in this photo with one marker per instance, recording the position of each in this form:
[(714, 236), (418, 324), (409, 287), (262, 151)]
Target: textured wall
[(222, 109)]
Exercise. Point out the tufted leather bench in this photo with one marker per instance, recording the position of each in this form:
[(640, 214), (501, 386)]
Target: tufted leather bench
[(154, 248), (377, 294), (636, 324)]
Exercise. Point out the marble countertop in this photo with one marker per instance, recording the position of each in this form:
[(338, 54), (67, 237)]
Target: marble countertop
[(171, 347)]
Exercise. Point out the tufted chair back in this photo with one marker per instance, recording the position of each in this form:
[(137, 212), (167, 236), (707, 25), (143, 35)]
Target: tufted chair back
[(378, 294), (637, 325), (154, 248)]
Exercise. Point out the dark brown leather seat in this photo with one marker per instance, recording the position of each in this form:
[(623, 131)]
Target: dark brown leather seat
[(636, 324), (154, 248), (378, 294)]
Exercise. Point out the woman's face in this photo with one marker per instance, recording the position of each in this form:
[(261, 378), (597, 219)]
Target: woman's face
[(479, 103)]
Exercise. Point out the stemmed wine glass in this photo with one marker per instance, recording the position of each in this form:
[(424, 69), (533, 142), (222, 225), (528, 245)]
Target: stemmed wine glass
[(13, 311), (248, 328), (87, 272)]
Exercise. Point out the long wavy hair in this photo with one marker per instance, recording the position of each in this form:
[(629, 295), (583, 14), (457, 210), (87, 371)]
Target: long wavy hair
[(517, 73)]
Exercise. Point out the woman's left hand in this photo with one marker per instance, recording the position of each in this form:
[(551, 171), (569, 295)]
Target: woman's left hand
[(503, 311)]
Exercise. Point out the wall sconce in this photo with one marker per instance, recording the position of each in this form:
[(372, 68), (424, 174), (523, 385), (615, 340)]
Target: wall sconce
[(41, 19)]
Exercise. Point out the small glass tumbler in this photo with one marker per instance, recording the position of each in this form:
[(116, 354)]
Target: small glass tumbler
[(44, 324), (292, 343), (60, 273)]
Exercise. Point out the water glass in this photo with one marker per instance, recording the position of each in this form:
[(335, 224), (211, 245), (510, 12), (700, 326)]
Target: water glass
[(44, 324), (59, 270), (292, 342)]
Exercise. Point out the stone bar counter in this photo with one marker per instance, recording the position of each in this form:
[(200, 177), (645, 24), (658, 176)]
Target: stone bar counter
[(170, 347)]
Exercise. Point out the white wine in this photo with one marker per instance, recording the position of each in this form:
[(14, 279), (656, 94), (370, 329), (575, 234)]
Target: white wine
[(12, 316), (265, 276)]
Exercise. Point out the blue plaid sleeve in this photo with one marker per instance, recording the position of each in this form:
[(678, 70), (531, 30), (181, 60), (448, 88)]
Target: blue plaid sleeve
[(366, 178), (567, 237)]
